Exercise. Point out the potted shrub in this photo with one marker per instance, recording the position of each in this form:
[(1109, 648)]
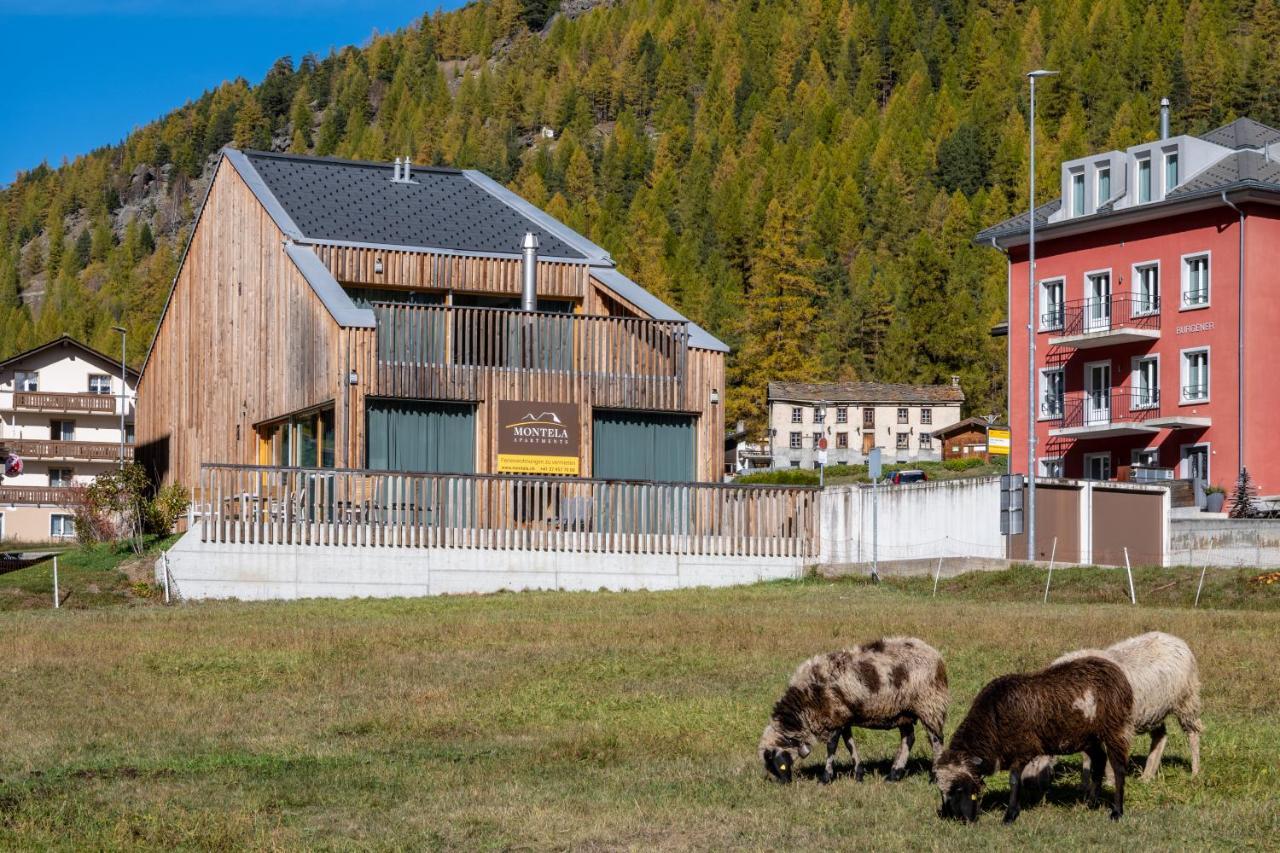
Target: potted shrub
[(1214, 498)]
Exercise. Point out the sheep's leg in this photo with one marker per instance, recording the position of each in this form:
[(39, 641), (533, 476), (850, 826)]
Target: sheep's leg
[(1117, 758), (1188, 715), (829, 769), (1159, 737), (1193, 738), (898, 770), (1015, 779), (934, 732), (858, 770), (1093, 782)]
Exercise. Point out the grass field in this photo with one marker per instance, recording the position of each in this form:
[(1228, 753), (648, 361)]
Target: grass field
[(559, 720)]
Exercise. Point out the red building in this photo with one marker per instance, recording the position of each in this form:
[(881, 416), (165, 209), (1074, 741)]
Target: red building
[(1156, 312)]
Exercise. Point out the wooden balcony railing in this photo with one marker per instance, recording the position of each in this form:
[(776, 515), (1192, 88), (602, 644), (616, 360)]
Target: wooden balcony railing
[(310, 506), (91, 451), (443, 352), (55, 495), (52, 401)]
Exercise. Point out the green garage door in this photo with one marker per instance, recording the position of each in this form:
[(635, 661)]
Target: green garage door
[(643, 446), (416, 435)]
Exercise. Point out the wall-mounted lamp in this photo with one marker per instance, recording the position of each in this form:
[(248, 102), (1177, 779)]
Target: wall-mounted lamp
[(377, 265), (715, 397), (353, 378)]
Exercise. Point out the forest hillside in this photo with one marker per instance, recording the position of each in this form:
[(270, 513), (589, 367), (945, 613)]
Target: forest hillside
[(802, 178)]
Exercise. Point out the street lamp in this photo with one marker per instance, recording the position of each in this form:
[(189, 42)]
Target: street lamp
[(1031, 331), (123, 398)]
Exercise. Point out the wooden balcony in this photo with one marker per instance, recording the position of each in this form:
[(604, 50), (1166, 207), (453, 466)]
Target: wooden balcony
[(56, 495), (59, 403), (71, 451), (450, 353)]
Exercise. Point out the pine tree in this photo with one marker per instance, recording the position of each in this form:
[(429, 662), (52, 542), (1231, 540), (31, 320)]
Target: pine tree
[(1243, 497), (300, 121)]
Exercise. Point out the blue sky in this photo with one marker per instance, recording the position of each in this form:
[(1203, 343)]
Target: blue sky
[(81, 74)]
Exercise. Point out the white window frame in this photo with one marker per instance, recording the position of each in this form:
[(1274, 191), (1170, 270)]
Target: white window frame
[(1088, 388), (1088, 459), (1183, 364), (1091, 325), (842, 414), (92, 377), (71, 476), (797, 415), (21, 376), (1079, 199), (925, 441), (1044, 372), (904, 415), (926, 415), (1136, 278), (1046, 461), (62, 535), (1134, 373), (1170, 153), (1101, 198), (59, 437), (1143, 160), (795, 441), (1208, 276), (1045, 284), (900, 444), (1136, 453)]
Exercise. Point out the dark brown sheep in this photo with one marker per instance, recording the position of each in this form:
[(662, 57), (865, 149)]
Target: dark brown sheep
[(885, 684), (1082, 705)]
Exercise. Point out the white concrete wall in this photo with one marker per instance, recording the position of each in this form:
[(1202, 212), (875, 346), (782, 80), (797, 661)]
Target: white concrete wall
[(258, 572), (945, 518)]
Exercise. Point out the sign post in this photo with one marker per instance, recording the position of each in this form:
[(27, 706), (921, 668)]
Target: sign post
[(874, 469), (998, 442), (1010, 504)]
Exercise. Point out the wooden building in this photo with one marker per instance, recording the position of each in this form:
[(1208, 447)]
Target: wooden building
[(966, 438), (332, 313)]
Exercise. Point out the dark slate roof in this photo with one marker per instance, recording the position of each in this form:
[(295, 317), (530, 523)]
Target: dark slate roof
[(1018, 224), (1243, 133), (1242, 167), (331, 199), (864, 392)]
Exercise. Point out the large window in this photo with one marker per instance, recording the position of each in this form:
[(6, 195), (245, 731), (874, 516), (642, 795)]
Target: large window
[(301, 441), (62, 526), (868, 418), (1077, 193), (1146, 382), (1144, 180), (61, 477), (842, 440), (1051, 388), (1195, 375), (1097, 466), (795, 441), (62, 430), (1051, 304), (904, 415), (1104, 184), (1170, 171), (926, 441), (819, 415), (904, 441), (842, 414), (1146, 278), (1195, 281), (926, 415), (797, 415), (99, 383), (26, 380)]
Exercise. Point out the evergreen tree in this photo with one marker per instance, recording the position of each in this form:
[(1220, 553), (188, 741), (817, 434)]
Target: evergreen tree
[(1243, 497)]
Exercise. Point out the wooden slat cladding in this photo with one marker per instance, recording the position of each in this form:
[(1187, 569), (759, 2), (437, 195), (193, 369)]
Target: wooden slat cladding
[(296, 506), (244, 339), (436, 271)]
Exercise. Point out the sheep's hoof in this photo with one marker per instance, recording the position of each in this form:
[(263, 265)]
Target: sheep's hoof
[(1010, 816), (858, 773), (1115, 815), (826, 778), (896, 774)]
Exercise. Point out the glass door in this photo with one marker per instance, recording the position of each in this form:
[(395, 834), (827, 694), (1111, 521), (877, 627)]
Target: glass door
[(1098, 385), (1098, 303)]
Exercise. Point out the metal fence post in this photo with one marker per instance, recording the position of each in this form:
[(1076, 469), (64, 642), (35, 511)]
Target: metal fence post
[(56, 603)]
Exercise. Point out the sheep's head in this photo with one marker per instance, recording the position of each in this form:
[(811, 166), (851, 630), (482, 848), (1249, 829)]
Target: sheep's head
[(961, 786), (780, 753)]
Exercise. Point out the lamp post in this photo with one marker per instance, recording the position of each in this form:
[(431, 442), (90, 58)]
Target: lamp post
[(123, 387), (1031, 329)]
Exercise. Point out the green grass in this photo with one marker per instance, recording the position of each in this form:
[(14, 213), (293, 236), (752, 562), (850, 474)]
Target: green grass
[(89, 576), (563, 720)]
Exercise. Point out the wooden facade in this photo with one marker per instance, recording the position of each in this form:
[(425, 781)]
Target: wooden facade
[(245, 340)]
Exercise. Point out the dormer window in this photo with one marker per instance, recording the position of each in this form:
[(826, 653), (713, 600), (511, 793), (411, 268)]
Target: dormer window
[(1170, 171), (1144, 180), (1077, 193), (1104, 184)]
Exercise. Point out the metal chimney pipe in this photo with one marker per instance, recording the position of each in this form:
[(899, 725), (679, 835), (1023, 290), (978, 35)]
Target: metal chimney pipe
[(529, 294), (397, 171), (408, 175), (1164, 118)]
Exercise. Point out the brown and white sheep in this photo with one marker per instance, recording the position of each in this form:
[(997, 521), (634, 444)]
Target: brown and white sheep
[(1162, 671), (888, 683), (1080, 705)]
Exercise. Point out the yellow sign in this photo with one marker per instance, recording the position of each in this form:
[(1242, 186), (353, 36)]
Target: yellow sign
[(998, 442), (521, 463)]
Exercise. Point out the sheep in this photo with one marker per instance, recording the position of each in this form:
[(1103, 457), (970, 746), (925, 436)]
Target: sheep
[(891, 682), (1165, 679), (1079, 705)]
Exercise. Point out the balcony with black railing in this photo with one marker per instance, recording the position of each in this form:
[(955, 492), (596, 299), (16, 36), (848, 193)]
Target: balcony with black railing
[(1099, 321), (1108, 413)]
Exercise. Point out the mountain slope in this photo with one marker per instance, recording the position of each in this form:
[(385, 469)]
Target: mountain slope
[(802, 178)]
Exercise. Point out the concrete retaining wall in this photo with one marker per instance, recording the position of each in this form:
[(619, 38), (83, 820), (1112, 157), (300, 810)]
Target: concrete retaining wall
[(1223, 542), (947, 518), (259, 572)]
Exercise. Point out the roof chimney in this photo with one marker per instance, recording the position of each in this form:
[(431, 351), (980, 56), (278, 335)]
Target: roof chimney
[(529, 294), (396, 175), (1164, 118), (955, 381)]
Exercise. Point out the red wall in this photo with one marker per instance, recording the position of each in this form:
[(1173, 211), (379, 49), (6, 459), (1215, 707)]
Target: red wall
[(1216, 231)]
